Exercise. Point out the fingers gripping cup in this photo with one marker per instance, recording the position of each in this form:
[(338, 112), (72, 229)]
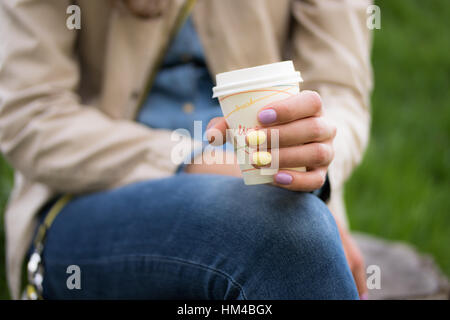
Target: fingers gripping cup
[(242, 93)]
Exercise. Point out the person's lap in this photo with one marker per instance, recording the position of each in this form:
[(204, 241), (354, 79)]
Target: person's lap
[(197, 237)]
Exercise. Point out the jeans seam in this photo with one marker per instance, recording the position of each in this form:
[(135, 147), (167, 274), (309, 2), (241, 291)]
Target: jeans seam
[(163, 258)]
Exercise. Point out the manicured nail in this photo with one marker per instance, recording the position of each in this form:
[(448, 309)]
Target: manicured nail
[(256, 137), (262, 158), (283, 178), (210, 135), (267, 116), (364, 296)]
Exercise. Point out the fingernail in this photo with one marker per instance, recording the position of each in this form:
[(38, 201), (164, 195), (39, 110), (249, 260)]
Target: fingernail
[(256, 137), (267, 116), (262, 158), (283, 178), (364, 296), (209, 136)]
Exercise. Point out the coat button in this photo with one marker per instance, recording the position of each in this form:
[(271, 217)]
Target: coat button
[(188, 107)]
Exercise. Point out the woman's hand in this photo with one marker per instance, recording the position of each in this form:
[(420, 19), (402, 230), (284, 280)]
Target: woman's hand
[(305, 139), (355, 261)]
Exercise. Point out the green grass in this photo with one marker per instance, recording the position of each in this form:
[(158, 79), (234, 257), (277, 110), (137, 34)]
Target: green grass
[(401, 190), (6, 181)]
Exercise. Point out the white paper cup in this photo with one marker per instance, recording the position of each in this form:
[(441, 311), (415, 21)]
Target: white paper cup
[(242, 93)]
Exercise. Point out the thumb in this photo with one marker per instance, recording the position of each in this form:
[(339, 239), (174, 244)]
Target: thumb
[(216, 131)]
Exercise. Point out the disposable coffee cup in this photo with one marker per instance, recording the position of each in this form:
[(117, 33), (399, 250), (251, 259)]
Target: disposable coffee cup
[(242, 93)]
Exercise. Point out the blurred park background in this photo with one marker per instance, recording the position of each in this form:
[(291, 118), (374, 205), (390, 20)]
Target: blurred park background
[(401, 190)]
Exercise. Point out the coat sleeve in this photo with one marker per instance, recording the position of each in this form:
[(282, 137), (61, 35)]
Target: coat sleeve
[(331, 47), (45, 132)]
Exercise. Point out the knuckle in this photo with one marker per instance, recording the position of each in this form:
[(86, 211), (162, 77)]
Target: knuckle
[(317, 128), (287, 108), (319, 181), (315, 101), (331, 152), (333, 130), (322, 154)]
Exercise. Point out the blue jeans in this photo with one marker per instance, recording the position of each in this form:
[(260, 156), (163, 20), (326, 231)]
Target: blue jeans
[(197, 237)]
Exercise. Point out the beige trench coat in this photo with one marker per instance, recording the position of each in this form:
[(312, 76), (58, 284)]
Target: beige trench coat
[(68, 97)]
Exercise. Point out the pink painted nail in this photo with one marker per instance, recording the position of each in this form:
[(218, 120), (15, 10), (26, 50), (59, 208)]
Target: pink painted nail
[(267, 116), (283, 178)]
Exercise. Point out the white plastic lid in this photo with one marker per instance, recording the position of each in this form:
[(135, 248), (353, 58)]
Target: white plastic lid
[(257, 77)]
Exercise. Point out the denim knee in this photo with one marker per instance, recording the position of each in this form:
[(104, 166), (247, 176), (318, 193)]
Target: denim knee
[(302, 225), (274, 242), (294, 250), (270, 221)]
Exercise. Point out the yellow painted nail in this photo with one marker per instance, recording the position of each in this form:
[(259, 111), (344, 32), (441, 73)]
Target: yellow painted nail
[(262, 158), (256, 137)]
